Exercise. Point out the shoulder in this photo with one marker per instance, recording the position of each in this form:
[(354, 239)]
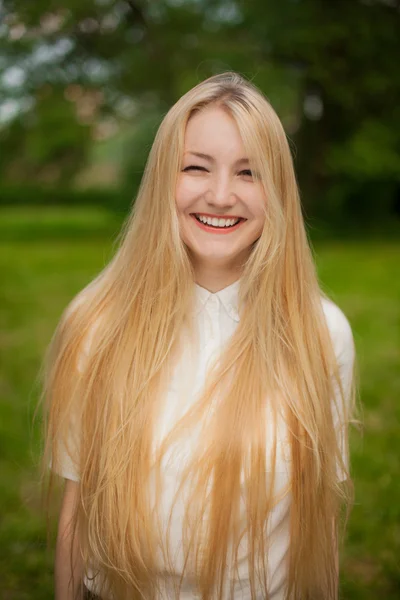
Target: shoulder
[(86, 329), (87, 345), (339, 329)]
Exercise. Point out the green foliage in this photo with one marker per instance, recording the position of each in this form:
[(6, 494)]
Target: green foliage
[(330, 69), (136, 148), (372, 153), (345, 56), (54, 144)]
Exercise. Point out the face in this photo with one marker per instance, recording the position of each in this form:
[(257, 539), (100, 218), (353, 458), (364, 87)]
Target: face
[(216, 185)]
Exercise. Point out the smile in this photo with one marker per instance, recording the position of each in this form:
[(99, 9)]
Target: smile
[(223, 229)]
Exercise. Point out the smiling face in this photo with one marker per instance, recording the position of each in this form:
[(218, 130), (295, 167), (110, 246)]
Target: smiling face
[(215, 183)]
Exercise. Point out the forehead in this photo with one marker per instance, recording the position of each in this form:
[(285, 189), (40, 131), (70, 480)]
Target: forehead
[(213, 129)]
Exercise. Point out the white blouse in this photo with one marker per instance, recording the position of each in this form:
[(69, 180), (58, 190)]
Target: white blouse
[(217, 318)]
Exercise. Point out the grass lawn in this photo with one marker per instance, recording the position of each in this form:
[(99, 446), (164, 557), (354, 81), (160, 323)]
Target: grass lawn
[(47, 256)]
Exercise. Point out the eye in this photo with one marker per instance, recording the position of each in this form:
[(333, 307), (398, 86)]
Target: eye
[(194, 168), (246, 173)]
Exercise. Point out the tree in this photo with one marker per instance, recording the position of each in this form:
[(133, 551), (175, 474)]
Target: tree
[(329, 69), (346, 55)]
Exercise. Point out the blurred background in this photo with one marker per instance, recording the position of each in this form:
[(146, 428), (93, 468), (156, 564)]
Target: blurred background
[(83, 87)]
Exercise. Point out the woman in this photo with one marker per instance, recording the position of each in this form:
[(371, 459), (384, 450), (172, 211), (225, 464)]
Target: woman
[(200, 388)]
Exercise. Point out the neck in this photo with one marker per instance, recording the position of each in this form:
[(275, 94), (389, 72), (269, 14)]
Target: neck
[(215, 280)]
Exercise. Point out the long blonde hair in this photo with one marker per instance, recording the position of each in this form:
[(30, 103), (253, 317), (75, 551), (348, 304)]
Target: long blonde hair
[(280, 357)]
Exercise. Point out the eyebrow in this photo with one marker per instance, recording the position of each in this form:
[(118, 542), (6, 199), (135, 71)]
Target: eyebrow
[(212, 159)]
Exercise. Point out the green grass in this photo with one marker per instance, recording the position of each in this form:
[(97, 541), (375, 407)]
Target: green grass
[(363, 279), (54, 223), (46, 257)]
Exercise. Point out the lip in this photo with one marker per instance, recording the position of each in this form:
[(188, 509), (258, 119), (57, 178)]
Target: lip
[(218, 216), (221, 230)]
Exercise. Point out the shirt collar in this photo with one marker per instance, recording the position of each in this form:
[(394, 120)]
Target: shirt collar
[(228, 297)]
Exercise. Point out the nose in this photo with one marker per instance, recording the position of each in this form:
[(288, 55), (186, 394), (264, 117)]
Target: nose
[(221, 192)]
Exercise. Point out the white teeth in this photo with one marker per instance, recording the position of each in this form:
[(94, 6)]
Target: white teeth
[(217, 222)]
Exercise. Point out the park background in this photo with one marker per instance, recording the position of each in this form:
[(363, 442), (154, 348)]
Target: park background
[(83, 87)]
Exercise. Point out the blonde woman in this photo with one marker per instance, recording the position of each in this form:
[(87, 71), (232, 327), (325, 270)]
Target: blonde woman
[(198, 391)]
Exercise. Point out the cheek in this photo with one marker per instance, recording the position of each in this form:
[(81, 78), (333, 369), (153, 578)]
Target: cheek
[(180, 196), (256, 202), (187, 191)]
